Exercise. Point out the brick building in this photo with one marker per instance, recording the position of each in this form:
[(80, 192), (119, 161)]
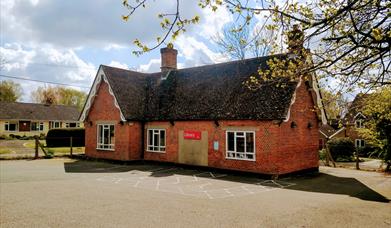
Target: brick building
[(204, 116)]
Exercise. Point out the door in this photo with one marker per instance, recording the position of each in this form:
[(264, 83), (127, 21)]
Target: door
[(193, 150), (24, 125)]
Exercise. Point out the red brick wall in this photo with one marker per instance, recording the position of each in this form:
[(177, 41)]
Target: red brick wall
[(279, 148), (127, 136), (299, 146)]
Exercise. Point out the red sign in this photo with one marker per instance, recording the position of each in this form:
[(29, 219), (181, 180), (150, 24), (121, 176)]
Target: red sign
[(196, 135)]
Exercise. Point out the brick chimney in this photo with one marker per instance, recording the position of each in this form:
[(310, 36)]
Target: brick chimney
[(296, 40), (169, 58)]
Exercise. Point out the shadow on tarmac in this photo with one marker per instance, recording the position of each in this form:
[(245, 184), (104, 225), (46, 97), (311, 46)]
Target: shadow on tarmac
[(318, 182)]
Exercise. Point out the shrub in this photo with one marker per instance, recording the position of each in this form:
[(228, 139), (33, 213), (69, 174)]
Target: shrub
[(61, 137), (322, 154), (341, 149)]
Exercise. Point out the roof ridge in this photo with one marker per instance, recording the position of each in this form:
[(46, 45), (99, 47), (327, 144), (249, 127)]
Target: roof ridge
[(207, 65), (40, 104)]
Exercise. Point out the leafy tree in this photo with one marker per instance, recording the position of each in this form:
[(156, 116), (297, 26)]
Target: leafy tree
[(350, 39), (334, 104), (239, 42), (10, 91), (377, 129), (59, 95)]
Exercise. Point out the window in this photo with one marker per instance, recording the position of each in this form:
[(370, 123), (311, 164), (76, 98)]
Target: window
[(36, 126), (105, 137), (70, 125), (55, 124), (156, 140), (11, 126), (359, 143), (241, 145), (359, 123)]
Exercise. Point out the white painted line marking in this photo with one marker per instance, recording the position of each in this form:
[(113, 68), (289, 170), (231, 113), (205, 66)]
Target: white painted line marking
[(246, 189), (157, 185), (207, 194)]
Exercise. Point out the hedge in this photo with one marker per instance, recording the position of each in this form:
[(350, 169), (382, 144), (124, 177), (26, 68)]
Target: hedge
[(341, 149), (61, 137)]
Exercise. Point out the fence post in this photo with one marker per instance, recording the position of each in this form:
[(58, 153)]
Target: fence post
[(71, 146), (357, 160), (36, 148)]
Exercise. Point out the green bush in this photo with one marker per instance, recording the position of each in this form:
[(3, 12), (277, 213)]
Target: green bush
[(322, 154), (341, 149), (61, 137)]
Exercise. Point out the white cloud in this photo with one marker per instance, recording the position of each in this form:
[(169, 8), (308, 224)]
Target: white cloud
[(213, 22), (152, 66), (119, 65), (47, 64), (197, 53)]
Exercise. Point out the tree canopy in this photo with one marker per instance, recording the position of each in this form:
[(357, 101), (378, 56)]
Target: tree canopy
[(377, 131), (349, 39), (59, 95), (10, 91)]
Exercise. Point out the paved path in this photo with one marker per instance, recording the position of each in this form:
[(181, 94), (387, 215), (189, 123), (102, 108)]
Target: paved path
[(368, 164), (73, 193)]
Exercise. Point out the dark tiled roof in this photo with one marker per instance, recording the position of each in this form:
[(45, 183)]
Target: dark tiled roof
[(355, 107), (30, 111), (206, 92)]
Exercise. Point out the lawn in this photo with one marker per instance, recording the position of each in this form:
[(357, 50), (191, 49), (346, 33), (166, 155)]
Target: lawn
[(55, 150), (5, 151)]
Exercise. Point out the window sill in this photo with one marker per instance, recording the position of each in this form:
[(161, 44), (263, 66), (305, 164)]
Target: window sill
[(105, 149), (241, 159), (159, 152)]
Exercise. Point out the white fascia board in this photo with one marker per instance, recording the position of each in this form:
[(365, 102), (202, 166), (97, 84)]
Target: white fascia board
[(337, 132), (94, 89)]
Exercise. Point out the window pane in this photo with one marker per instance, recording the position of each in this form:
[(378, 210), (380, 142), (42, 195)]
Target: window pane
[(249, 142), (106, 134), (231, 139), (150, 138), (239, 144), (111, 134), (162, 138), (12, 127), (156, 139), (100, 140)]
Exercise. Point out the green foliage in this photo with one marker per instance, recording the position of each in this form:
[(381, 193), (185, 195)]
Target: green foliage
[(10, 91), (334, 104), (377, 129), (341, 149), (61, 137), (322, 154), (59, 95)]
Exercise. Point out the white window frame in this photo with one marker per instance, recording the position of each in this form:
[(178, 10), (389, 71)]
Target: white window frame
[(39, 124), (359, 143), (53, 124), (359, 123), (6, 125), (100, 145), (160, 149), (228, 152)]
